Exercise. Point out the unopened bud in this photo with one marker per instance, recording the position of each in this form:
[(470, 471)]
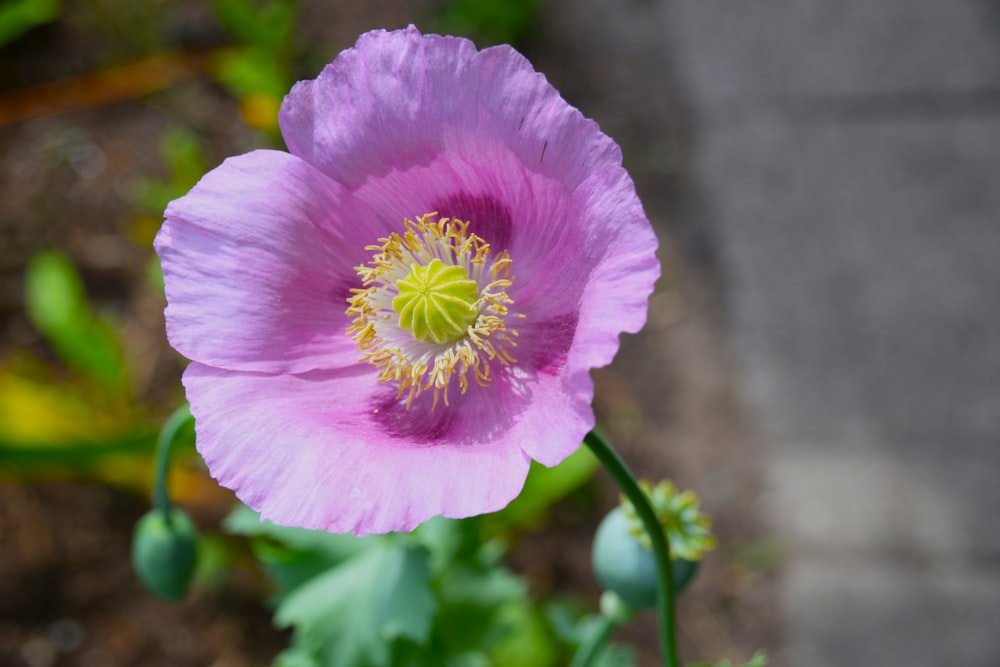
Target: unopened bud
[(626, 567), (164, 551)]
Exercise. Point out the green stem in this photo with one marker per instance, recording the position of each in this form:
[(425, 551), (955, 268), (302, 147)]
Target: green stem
[(589, 649), (665, 594), (168, 434)]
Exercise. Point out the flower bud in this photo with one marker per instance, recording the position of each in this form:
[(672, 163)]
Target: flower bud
[(164, 550), (623, 565), (614, 608)]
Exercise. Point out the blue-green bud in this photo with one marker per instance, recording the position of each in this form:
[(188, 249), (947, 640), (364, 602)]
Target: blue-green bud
[(623, 565), (164, 552)]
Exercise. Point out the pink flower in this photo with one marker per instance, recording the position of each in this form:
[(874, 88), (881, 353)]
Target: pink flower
[(389, 321)]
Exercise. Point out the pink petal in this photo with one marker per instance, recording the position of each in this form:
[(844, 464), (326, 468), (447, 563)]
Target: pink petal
[(257, 262), (618, 290), (558, 417), (397, 99), (590, 250), (427, 123), (309, 450)]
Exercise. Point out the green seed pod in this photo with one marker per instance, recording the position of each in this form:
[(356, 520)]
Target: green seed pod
[(623, 565), (164, 551)]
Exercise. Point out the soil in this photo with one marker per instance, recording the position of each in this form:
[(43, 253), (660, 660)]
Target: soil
[(67, 178)]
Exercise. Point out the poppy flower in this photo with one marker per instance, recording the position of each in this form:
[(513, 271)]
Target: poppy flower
[(390, 320)]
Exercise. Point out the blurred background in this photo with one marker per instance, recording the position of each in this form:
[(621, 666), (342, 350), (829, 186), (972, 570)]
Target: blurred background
[(821, 364)]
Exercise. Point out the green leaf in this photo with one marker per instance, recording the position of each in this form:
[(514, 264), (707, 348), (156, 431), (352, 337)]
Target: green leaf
[(183, 154), (759, 659), (472, 603), (449, 541), (574, 629), (297, 656), (55, 294), (487, 588), (292, 556), (76, 455), (246, 70), (57, 305), (615, 655), (19, 16), (353, 613), (184, 159), (266, 24), (340, 546), (526, 640), (544, 487), (489, 23)]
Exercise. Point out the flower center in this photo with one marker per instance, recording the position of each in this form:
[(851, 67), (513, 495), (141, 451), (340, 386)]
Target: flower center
[(433, 305), (437, 302)]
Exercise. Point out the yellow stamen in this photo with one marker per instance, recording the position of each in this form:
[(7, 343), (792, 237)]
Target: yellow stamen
[(433, 305)]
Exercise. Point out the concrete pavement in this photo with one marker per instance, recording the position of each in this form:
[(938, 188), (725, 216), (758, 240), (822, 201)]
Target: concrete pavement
[(845, 164)]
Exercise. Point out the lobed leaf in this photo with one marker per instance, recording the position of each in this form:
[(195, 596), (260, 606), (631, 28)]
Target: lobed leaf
[(353, 613)]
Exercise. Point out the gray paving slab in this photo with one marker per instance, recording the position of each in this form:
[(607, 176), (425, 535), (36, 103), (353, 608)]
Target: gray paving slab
[(847, 156), (880, 613), (739, 52), (861, 264), (857, 500)]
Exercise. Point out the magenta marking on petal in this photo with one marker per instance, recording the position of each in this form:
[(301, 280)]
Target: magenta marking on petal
[(476, 417), (488, 217), (258, 262), (418, 423), (546, 344), (301, 450), (340, 290)]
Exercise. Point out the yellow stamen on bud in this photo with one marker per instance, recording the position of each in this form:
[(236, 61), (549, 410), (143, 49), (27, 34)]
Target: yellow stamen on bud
[(437, 302)]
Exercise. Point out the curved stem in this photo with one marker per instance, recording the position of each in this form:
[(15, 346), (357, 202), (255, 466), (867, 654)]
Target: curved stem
[(589, 649), (665, 594), (168, 434)]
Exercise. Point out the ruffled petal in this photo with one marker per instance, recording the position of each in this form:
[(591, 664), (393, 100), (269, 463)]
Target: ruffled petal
[(616, 299), (590, 249), (394, 100), (311, 450), (559, 416), (257, 263), (416, 123), (541, 404)]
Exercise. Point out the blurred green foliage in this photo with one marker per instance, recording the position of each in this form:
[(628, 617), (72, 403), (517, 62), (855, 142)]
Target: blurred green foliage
[(759, 659), (184, 157), (577, 630), (488, 23), (257, 68), (57, 305), (19, 16), (78, 414), (543, 487), (266, 24), (438, 596), (82, 418)]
